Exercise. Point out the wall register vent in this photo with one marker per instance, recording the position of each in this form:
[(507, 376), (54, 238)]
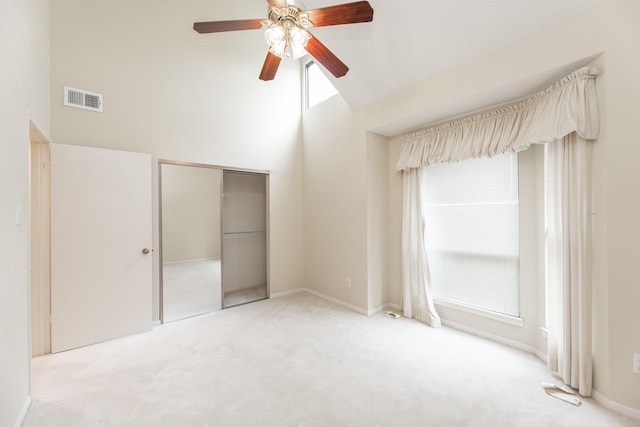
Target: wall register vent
[(82, 99)]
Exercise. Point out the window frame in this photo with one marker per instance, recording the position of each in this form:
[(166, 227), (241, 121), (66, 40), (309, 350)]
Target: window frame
[(307, 66), (510, 319)]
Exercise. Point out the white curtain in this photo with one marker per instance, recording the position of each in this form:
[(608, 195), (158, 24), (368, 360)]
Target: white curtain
[(417, 301), (569, 261), (569, 105), (568, 111)]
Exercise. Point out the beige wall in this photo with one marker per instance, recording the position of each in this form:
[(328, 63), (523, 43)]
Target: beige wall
[(346, 207), (377, 221), (335, 203), (24, 85), (190, 213), (179, 95), (617, 197), (168, 91), (528, 336), (514, 70), (611, 28)]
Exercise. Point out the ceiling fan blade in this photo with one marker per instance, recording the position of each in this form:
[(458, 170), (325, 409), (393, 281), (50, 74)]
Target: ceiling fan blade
[(277, 3), (324, 56), (270, 67), (350, 13), (222, 26)]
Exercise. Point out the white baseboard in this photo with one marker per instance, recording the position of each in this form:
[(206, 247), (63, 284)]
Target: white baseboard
[(285, 293), (321, 295), (506, 341), (382, 308), (496, 338), (615, 406), (337, 301), (376, 310), (23, 412), (155, 323)]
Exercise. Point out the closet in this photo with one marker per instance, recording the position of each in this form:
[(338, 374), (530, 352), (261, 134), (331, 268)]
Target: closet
[(244, 238), (213, 235)]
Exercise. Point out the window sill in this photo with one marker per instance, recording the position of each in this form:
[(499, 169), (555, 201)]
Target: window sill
[(499, 317)]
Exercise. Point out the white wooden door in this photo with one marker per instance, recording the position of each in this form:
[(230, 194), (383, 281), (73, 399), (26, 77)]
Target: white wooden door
[(101, 281)]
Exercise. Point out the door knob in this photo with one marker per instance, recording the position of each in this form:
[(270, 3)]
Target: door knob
[(145, 251)]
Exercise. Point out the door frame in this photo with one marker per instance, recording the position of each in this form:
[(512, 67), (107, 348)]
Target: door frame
[(160, 245), (39, 241)]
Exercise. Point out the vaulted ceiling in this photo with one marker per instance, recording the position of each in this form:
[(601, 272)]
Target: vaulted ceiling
[(412, 40)]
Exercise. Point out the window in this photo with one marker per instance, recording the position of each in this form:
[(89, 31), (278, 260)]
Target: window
[(471, 211), (318, 87)]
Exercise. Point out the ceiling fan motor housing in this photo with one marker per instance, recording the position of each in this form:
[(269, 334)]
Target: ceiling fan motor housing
[(287, 17)]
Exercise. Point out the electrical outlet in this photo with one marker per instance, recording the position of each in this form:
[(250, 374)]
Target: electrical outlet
[(348, 283), (636, 363)]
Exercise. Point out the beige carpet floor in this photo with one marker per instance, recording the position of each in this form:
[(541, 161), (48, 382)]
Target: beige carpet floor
[(300, 361)]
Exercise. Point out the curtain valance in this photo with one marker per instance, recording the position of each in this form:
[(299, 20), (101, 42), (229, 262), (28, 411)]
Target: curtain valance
[(569, 105)]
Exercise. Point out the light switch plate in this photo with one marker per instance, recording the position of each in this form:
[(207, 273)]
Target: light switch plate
[(19, 215), (636, 363)]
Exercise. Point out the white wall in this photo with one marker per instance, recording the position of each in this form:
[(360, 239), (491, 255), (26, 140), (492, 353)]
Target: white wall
[(24, 85), (180, 95), (190, 213)]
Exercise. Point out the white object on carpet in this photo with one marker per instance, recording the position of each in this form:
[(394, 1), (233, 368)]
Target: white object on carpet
[(561, 392)]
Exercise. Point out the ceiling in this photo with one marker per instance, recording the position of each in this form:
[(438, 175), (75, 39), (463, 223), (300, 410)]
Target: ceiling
[(411, 40)]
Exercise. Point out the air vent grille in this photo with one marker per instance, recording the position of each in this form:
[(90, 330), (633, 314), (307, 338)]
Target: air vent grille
[(79, 98)]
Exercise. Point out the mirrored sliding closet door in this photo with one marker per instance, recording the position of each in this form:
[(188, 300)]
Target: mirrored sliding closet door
[(214, 235), (191, 255)]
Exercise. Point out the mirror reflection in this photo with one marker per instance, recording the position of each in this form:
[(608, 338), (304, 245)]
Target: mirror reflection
[(191, 241)]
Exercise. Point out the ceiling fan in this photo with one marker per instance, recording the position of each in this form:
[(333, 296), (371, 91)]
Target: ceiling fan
[(287, 35)]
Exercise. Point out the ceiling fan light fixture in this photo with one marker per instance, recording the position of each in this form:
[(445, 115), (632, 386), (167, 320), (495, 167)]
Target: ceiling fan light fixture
[(276, 39), (298, 39), (285, 32), (287, 41)]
